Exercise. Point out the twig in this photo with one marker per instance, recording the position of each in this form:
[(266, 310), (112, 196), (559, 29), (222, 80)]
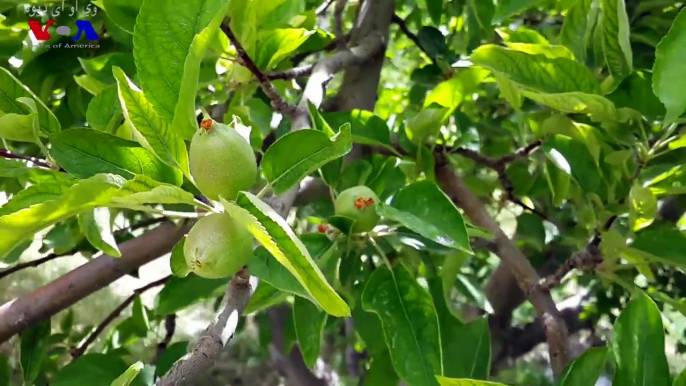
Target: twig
[(170, 327), (293, 73), (206, 351), (77, 352), (4, 153), (588, 258), (338, 20), (521, 268), (411, 35), (278, 102)]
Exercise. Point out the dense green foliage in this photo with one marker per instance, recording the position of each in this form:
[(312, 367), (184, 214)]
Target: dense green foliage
[(565, 118)]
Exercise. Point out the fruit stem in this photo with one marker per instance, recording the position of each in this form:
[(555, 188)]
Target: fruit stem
[(264, 191)]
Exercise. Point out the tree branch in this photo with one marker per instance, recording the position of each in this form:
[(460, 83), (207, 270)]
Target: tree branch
[(77, 352), (338, 20), (202, 357), (4, 153), (322, 8), (522, 270), (26, 311), (411, 35), (170, 327), (293, 73), (278, 102)]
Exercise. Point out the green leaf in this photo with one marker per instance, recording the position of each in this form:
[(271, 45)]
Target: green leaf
[(598, 107), (170, 39), (368, 326), (11, 89), (16, 127), (83, 196), (309, 328), (172, 354), (123, 12), (642, 207), (381, 371), (152, 132), (366, 127), (510, 91), (665, 244), (558, 174), (547, 50), (35, 194), (104, 111), (91, 369), (5, 370), (96, 225), (273, 232), (578, 27), (471, 358), (615, 38), (409, 323), (530, 229), (34, 345), (582, 165), (295, 155), (558, 75), (435, 8), (265, 296), (451, 93), (100, 67), (129, 375), (465, 382), (179, 267), (668, 82), (639, 345), (264, 266), (586, 369), (180, 293), (275, 45), (425, 209), (680, 380), (86, 152), (144, 190), (507, 8)]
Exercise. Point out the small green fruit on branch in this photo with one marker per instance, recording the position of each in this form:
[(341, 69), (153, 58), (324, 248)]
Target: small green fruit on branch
[(217, 247), (358, 203), (222, 162)]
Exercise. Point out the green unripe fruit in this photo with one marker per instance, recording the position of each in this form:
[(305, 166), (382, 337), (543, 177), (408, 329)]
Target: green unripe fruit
[(427, 123), (358, 203), (217, 247), (222, 162)]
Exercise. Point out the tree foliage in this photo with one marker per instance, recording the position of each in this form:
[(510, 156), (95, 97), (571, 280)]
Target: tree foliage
[(518, 152)]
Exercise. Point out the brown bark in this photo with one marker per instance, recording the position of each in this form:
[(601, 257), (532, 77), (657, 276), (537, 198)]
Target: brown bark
[(26, 311)]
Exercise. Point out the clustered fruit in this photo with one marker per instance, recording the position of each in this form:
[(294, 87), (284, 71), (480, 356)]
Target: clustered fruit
[(222, 163)]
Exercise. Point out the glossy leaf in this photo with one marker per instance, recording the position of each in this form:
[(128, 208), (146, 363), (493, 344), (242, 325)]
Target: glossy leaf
[(639, 345), (265, 296), (409, 323), (643, 207), (5, 370), (668, 82), (17, 127), (451, 93), (274, 233), (84, 196), (11, 89), (96, 225), (616, 45), (180, 293), (466, 348), (309, 328), (35, 194), (297, 154), (578, 27), (598, 107), (173, 353), (85, 153), (425, 209), (129, 375), (168, 59), (443, 381), (150, 130), (275, 45), (123, 12), (91, 369), (267, 268), (510, 91), (177, 261), (547, 50), (537, 72), (144, 190), (104, 111), (34, 346), (680, 379), (665, 244), (586, 369), (365, 127)]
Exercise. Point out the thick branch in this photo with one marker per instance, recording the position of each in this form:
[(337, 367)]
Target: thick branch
[(278, 102), (326, 69), (338, 20), (293, 73), (206, 351), (522, 270), (114, 314), (26, 311)]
